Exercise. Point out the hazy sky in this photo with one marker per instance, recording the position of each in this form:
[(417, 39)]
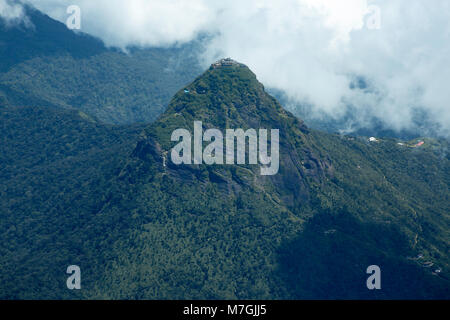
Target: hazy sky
[(311, 49)]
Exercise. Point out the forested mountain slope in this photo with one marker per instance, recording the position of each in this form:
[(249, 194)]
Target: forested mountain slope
[(74, 190), (44, 63), (145, 230)]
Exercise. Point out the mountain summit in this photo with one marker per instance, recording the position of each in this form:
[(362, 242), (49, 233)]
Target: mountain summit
[(229, 96), (226, 62)]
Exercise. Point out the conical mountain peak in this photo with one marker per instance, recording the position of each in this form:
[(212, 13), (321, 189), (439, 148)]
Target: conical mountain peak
[(229, 99), (227, 95)]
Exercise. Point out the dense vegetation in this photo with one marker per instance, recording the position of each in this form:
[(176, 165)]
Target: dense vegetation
[(54, 167), (74, 190), (46, 64), (241, 237)]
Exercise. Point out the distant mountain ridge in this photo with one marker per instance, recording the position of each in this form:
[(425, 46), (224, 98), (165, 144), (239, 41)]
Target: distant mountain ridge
[(46, 63), (42, 36)]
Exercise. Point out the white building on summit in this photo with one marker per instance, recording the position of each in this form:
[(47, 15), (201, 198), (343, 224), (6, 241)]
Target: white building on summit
[(227, 62)]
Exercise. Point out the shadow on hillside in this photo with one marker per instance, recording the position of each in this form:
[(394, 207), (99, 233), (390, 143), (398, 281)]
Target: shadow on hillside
[(329, 259)]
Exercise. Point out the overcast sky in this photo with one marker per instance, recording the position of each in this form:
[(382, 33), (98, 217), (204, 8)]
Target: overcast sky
[(311, 49)]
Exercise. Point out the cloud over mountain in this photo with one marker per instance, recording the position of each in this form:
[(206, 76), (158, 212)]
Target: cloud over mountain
[(10, 11), (339, 58)]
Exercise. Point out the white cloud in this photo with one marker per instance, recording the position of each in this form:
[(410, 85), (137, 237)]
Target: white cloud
[(310, 49), (10, 11)]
